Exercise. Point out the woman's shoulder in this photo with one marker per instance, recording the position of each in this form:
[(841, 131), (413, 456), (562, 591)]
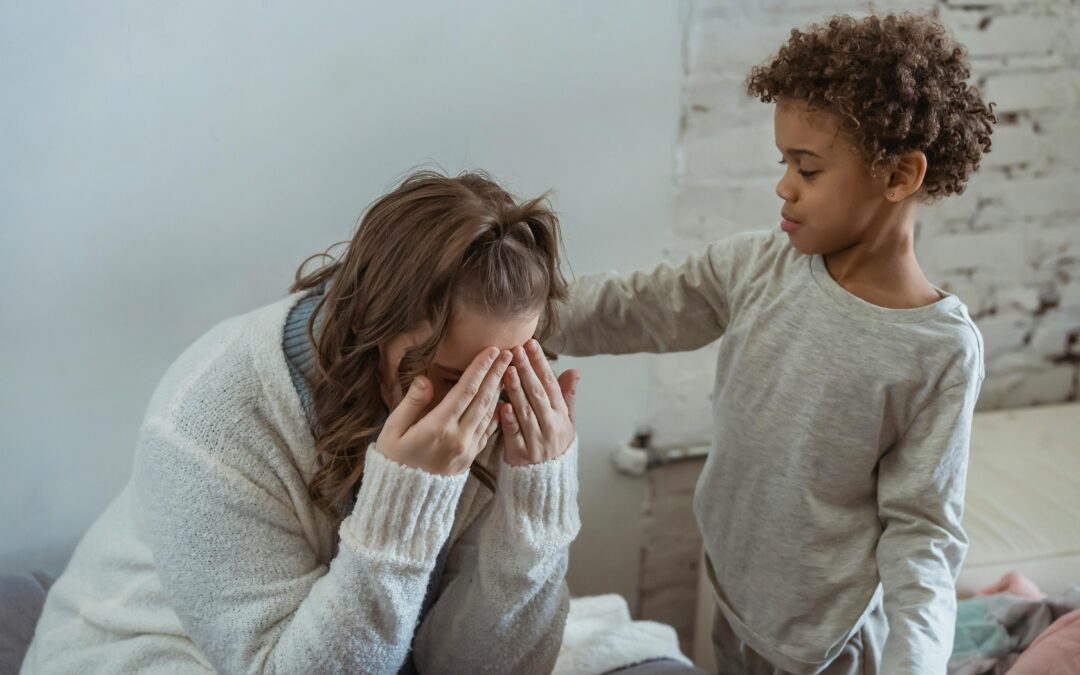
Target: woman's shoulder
[(227, 407), (228, 370)]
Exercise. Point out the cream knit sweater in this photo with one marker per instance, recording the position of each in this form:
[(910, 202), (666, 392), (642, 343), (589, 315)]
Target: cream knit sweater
[(213, 558)]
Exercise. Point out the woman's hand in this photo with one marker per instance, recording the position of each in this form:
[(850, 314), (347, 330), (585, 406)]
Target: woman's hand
[(447, 439), (538, 423)]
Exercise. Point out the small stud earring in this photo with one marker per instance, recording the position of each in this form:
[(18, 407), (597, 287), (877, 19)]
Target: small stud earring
[(892, 194)]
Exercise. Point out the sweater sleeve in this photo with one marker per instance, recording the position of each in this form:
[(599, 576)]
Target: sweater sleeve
[(245, 581), (503, 602), (920, 551), (670, 309)]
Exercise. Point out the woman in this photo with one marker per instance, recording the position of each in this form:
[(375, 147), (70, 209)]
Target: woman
[(319, 485)]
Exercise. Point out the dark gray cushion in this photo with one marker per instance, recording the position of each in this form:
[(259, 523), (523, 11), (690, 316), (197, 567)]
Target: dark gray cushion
[(21, 599)]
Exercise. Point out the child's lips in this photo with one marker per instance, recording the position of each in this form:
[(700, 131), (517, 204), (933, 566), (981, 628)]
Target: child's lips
[(787, 224)]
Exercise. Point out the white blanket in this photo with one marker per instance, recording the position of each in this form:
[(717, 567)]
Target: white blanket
[(600, 637)]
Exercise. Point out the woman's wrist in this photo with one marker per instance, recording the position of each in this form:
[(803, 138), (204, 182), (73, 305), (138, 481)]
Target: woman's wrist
[(402, 510), (541, 499)]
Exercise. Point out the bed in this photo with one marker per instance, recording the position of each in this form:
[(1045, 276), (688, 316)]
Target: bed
[(1022, 510)]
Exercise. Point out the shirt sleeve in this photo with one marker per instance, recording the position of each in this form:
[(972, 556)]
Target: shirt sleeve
[(503, 600), (667, 310), (246, 582), (922, 546)]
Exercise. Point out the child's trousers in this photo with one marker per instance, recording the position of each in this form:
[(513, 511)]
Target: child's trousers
[(860, 656)]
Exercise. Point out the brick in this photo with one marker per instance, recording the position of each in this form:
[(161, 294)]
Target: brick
[(986, 250), (1017, 145), (976, 295), (824, 8), (1023, 299), (1063, 133), (1006, 35), (1051, 249), (1004, 332), (681, 402), (1053, 336), (730, 152), (715, 101), (1034, 385), (727, 207), (1031, 197), (725, 46), (1032, 91)]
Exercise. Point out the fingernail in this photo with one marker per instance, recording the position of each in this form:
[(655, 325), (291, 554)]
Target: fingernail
[(534, 346), (419, 384)]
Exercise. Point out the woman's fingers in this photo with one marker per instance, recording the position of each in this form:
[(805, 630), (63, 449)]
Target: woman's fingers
[(458, 399), (568, 386), (481, 410), (410, 409), (528, 425), (493, 424), (542, 367), (535, 391), (514, 449)]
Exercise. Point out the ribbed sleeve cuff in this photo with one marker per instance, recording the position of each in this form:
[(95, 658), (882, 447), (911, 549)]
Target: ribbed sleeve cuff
[(540, 500), (401, 511)]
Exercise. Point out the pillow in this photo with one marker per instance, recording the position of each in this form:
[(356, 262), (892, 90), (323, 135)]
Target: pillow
[(21, 598)]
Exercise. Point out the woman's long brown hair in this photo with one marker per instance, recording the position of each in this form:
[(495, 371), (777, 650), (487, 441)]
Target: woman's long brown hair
[(430, 242)]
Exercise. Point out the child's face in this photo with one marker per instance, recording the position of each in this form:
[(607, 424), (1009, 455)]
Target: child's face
[(830, 197)]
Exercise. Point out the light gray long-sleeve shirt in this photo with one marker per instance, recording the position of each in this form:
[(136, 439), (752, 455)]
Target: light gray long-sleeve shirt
[(840, 446)]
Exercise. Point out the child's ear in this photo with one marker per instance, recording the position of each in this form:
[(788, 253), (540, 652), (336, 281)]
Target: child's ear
[(906, 176)]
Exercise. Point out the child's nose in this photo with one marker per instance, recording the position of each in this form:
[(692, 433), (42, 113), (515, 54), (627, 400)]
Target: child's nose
[(785, 191)]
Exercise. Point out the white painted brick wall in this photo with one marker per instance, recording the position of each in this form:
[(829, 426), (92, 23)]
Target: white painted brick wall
[(1009, 246)]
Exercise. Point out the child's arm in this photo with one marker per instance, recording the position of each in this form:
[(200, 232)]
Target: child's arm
[(666, 310), (920, 503)]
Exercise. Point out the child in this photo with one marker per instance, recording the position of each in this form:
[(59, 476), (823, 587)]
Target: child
[(831, 500)]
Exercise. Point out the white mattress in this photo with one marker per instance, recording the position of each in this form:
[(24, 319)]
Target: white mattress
[(1022, 508)]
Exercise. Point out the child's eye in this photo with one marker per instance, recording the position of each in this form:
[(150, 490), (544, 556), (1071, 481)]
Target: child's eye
[(804, 174)]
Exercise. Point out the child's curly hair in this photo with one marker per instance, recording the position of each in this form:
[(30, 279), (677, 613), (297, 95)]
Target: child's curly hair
[(900, 84)]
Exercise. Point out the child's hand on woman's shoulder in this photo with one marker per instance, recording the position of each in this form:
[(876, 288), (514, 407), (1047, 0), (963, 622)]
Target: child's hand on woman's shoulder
[(538, 423)]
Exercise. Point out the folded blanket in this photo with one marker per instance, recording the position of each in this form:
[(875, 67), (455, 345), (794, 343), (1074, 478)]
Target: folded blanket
[(1004, 620), (1055, 652), (600, 637)]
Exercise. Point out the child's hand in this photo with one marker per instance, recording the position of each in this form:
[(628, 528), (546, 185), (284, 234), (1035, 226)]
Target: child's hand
[(447, 439), (538, 423)]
